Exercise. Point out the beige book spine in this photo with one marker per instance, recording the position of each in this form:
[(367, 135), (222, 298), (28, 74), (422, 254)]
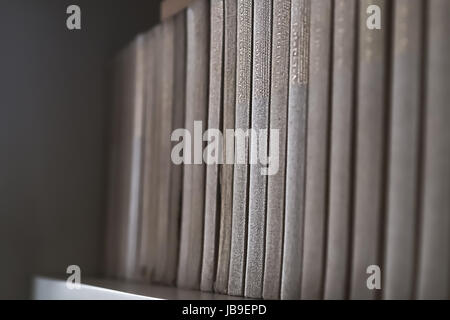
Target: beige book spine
[(191, 241)]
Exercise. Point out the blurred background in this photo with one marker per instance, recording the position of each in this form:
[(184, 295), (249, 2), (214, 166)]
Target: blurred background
[(54, 117)]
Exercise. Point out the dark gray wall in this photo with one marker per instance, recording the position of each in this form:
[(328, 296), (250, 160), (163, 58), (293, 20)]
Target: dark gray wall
[(54, 118)]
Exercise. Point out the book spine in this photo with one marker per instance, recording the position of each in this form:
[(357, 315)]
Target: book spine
[(341, 150), (278, 119), (191, 241), (210, 243), (406, 105), (370, 149), (145, 241), (241, 168), (317, 150), (296, 150), (226, 173), (135, 150), (434, 268), (262, 25), (176, 173), (148, 237), (163, 144)]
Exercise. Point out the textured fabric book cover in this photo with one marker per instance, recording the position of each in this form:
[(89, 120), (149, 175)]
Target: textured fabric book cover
[(212, 191), (434, 268), (317, 150), (278, 118), (191, 241), (149, 240), (226, 169), (176, 173), (296, 150), (370, 149), (164, 148), (134, 148), (241, 171), (147, 248), (404, 154), (262, 45), (341, 150)]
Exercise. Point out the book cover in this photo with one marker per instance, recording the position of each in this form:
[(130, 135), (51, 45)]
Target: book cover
[(317, 144), (372, 103), (278, 121), (341, 150), (176, 173), (241, 168), (404, 154), (212, 191), (226, 169), (262, 46), (434, 268), (191, 238), (296, 150), (163, 148)]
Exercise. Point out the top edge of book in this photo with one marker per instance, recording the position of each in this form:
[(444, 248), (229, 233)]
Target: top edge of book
[(169, 8)]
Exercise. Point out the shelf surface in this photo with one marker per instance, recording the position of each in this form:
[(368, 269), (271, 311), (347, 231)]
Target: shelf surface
[(46, 288)]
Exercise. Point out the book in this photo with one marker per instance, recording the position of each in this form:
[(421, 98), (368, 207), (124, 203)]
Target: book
[(370, 158), (404, 154), (262, 45), (296, 150), (226, 169), (148, 238), (278, 121), (434, 260), (317, 144), (176, 173), (241, 168), (163, 148), (169, 8), (133, 130), (212, 191), (341, 163), (191, 237)]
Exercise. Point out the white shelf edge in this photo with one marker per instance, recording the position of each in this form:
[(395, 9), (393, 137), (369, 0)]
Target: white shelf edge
[(47, 288)]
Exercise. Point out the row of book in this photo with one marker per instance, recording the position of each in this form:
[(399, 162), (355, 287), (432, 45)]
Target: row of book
[(359, 207)]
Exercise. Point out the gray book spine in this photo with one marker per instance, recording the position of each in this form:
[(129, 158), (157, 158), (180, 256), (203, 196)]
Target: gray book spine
[(434, 268), (226, 173), (241, 171), (341, 150), (296, 150), (210, 243), (148, 243), (132, 207), (176, 173), (262, 39), (317, 150), (191, 241), (370, 150), (403, 188), (278, 119), (163, 163)]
